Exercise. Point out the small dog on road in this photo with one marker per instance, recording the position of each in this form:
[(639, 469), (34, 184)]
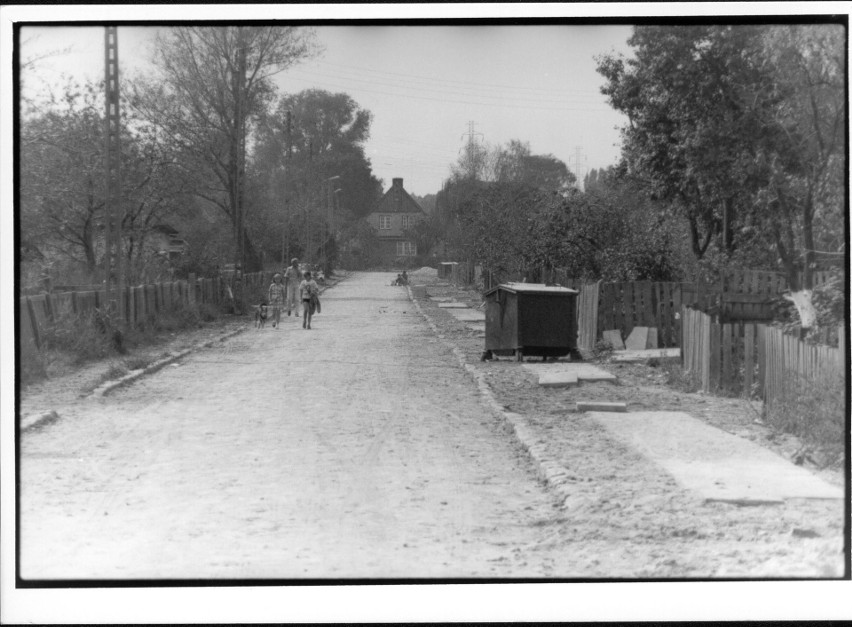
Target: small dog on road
[(260, 315)]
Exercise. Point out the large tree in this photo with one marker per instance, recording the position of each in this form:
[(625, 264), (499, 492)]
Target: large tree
[(742, 127), (688, 122), (498, 227), (515, 163), (310, 146), (61, 185), (213, 84), (62, 189), (801, 160)]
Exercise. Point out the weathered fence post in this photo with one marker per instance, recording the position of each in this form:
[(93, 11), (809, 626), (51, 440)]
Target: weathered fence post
[(748, 358), (715, 355), (727, 355), (761, 360), (48, 307), (131, 306), (34, 323)]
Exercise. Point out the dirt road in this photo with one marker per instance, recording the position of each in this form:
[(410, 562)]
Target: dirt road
[(356, 449), (361, 449)]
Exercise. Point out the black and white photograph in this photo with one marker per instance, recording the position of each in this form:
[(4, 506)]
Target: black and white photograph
[(354, 307)]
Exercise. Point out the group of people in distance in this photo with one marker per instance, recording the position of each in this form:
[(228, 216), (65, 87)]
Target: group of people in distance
[(285, 293)]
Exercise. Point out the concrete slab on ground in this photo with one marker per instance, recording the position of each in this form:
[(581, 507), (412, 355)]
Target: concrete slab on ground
[(452, 305), (476, 326), (557, 379), (468, 315), (638, 339), (441, 299), (580, 371), (630, 356), (652, 338), (599, 406), (614, 339), (716, 464)]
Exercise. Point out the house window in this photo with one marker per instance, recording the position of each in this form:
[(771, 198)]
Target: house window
[(384, 222), (406, 222), (406, 249)]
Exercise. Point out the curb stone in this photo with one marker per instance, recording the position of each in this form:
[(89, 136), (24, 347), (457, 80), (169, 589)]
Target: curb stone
[(29, 422), (38, 420), (550, 471), (45, 418), (108, 387)]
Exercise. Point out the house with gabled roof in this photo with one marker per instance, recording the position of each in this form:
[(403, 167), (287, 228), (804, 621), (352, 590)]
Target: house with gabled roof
[(396, 212)]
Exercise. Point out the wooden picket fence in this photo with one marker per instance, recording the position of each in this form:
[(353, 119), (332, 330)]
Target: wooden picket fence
[(141, 303), (587, 315), (752, 359), (624, 306), (789, 361), (739, 298)]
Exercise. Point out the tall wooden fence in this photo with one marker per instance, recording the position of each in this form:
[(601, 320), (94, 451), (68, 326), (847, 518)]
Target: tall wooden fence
[(789, 361), (140, 303), (623, 306), (741, 297), (737, 295), (587, 315), (752, 359)]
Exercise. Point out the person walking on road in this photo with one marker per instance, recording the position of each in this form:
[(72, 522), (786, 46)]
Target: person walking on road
[(275, 298), (309, 290), (292, 278)]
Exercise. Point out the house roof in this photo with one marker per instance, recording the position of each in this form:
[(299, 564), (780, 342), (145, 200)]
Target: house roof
[(532, 288), (397, 200)]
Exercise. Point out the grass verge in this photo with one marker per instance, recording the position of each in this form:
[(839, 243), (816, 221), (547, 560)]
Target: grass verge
[(814, 411), (76, 340)]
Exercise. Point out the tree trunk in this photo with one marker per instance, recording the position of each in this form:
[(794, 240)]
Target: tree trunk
[(728, 225), (698, 248), (89, 248), (252, 257), (808, 242)]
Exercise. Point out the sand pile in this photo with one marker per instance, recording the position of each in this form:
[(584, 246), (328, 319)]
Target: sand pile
[(425, 271)]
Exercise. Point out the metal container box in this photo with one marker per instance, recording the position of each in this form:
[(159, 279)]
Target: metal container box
[(531, 319)]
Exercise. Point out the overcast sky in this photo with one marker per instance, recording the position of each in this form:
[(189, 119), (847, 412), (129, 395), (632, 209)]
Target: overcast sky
[(425, 85)]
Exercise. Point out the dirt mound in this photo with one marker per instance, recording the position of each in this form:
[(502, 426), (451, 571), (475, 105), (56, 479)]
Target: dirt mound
[(425, 271)]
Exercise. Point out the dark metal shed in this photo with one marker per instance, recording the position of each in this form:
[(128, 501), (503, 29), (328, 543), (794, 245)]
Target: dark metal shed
[(531, 319)]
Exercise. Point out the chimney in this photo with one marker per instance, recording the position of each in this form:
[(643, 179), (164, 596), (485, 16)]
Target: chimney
[(397, 183)]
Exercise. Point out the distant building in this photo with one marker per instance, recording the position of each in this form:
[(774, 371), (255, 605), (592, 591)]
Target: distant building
[(396, 212), (165, 241)]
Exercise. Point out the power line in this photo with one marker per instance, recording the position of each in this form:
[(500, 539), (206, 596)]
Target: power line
[(470, 90), (405, 75), (446, 100)]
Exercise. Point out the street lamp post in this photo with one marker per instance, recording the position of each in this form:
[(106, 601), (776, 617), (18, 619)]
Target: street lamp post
[(329, 202)]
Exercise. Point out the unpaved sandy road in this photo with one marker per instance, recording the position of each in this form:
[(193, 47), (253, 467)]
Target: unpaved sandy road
[(356, 449), (360, 449)]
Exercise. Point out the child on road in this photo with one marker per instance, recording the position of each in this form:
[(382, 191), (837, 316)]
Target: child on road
[(275, 298), (308, 290), (292, 276)]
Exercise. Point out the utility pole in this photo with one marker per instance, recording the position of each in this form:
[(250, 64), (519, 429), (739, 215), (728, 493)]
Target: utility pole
[(472, 149), (579, 165), (329, 212), (237, 169), (114, 210), (309, 201), (285, 240), (241, 119)]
